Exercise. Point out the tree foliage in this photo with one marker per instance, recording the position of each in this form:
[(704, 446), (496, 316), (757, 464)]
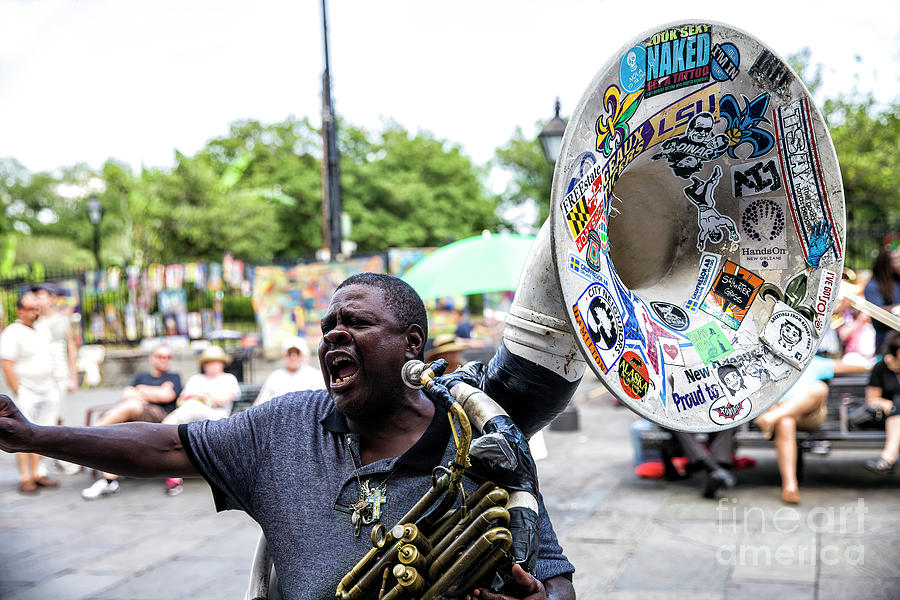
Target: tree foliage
[(256, 193), (531, 174)]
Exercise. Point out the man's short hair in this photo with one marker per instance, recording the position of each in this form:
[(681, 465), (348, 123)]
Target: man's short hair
[(401, 298), (892, 344), (20, 301)]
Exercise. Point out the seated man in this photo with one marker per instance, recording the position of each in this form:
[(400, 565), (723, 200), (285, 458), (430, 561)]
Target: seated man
[(803, 407), (714, 458), (883, 392), (296, 376), (150, 397), (301, 464)]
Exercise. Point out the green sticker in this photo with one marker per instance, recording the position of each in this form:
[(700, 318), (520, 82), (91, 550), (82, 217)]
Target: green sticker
[(710, 343)]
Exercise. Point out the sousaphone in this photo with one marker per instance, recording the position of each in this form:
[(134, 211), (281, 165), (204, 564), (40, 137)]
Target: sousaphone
[(696, 237)]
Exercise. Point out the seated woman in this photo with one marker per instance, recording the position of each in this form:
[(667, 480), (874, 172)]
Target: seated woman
[(207, 395), (883, 392), (803, 407)]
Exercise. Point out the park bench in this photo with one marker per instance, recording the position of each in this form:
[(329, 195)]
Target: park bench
[(845, 393)]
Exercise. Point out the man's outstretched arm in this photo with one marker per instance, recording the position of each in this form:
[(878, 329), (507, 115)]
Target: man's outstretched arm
[(135, 449)]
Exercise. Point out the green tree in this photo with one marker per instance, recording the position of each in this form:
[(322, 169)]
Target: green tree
[(531, 174), (410, 190)]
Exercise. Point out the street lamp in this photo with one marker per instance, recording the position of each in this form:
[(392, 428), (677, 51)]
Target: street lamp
[(552, 134), (95, 214), (551, 141)]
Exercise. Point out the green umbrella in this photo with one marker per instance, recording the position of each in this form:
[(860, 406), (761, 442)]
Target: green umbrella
[(484, 263)]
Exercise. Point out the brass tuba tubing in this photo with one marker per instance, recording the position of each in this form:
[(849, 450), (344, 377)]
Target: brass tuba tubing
[(497, 535), (449, 521), (495, 497), (481, 523)]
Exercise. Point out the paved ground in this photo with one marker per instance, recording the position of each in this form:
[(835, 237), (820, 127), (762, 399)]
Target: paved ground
[(629, 538)]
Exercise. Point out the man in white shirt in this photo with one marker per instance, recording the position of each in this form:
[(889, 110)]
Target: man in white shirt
[(297, 374), (25, 355)]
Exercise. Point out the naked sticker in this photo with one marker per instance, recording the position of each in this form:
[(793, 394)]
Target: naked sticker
[(709, 266), (728, 411), (804, 185), (599, 318), (693, 388), (763, 244), (676, 58), (633, 375), (712, 224), (710, 343), (789, 335), (673, 316), (732, 293), (828, 282), (725, 61), (750, 179)]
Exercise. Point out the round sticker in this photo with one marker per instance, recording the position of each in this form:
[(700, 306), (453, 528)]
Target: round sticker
[(633, 69)]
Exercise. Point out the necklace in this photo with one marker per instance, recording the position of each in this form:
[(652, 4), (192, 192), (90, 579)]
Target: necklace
[(368, 507)]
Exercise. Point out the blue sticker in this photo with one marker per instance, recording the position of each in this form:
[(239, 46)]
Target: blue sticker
[(633, 69), (725, 61)]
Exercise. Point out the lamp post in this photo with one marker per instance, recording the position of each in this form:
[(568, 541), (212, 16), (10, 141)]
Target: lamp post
[(552, 134), (551, 141), (331, 175), (95, 214)]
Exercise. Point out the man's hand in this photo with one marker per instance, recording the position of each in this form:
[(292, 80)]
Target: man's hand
[(529, 588), (15, 430)]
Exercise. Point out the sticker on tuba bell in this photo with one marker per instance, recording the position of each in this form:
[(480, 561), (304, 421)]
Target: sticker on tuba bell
[(789, 335)]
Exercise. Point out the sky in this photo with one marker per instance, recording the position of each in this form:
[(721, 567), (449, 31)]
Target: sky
[(86, 80)]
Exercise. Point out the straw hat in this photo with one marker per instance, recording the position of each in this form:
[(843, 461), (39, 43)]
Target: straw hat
[(444, 343), (212, 354)]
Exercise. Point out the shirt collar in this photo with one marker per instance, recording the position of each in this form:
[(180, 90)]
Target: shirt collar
[(425, 454)]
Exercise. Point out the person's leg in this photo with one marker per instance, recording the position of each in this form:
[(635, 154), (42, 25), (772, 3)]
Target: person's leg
[(808, 402), (721, 447), (694, 450), (786, 455), (891, 439), (127, 410)]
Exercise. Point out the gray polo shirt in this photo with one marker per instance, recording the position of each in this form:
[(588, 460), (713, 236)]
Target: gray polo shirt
[(286, 463)]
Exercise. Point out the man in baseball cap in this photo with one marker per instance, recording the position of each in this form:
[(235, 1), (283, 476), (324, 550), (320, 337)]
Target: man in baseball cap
[(297, 374)]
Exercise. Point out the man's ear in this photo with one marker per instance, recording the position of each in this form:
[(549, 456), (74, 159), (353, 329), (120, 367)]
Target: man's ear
[(415, 341)]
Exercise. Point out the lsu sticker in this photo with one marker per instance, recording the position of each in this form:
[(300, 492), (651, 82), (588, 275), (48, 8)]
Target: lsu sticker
[(633, 375), (673, 316), (750, 179), (693, 388), (677, 58), (710, 343), (728, 411), (732, 293), (633, 69), (725, 61), (789, 335), (802, 174), (763, 244), (828, 282), (600, 325), (709, 266)]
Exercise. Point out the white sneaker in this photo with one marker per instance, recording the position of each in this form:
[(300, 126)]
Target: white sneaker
[(101, 487), (66, 468)]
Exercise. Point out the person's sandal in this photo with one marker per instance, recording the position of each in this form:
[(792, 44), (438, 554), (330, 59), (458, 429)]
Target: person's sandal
[(46, 482), (28, 487), (880, 466), (790, 496)]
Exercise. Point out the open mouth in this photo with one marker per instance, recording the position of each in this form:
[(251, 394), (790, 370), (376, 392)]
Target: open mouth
[(341, 369)]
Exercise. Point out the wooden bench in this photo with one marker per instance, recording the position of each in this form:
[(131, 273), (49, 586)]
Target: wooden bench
[(845, 393)]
